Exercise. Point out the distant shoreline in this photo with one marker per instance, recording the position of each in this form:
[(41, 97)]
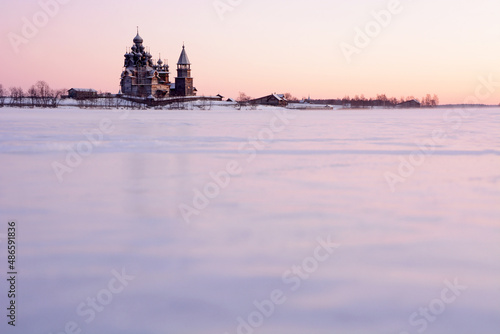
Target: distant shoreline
[(232, 106), (201, 102)]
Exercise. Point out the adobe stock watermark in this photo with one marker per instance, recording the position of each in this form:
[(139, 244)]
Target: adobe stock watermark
[(92, 306), (363, 37), (84, 148), (222, 7), (424, 316), (31, 26), (453, 121), (76, 153), (220, 180), (292, 279)]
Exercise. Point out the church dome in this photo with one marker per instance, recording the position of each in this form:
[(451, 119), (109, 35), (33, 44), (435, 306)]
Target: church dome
[(138, 39)]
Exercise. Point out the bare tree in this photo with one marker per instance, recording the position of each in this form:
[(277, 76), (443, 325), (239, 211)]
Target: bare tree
[(55, 97), (243, 97), (16, 96), (382, 97), (44, 92), (290, 97), (33, 96), (435, 100), (428, 100), (2, 96)]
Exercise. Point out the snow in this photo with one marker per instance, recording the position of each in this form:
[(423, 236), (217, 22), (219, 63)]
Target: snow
[(316, 175)]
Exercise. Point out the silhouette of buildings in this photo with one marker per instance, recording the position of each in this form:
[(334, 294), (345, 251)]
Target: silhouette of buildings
[(143, 77)]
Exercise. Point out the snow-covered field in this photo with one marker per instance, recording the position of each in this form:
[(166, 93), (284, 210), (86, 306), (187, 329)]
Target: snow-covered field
[(267, 221)]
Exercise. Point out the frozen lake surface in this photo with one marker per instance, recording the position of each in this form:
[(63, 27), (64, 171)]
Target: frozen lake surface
[(266, 221)]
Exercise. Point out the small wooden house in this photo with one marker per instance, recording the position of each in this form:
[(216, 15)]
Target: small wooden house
[(408, 104), (81, 94), (271, 100)]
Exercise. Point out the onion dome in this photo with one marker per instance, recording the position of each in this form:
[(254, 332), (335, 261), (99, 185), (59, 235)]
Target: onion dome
[(138, 39)]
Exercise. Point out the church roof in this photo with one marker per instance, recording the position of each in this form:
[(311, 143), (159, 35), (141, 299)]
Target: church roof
[(183, 59), (84, 90), (138, 39)]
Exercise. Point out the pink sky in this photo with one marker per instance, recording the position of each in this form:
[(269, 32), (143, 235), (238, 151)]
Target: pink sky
[(259, 47)]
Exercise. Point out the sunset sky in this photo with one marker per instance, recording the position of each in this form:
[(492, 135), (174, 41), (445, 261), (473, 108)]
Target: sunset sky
[(259, 47)]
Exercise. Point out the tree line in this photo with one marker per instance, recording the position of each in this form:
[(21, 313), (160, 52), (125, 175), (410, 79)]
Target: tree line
[(42, 96), (382, 100), (359, 101), (38, 95)]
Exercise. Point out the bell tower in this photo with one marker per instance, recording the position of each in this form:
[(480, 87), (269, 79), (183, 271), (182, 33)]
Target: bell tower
[(184, 81)]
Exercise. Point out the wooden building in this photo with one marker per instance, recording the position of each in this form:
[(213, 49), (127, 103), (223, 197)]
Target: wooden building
[(408, 104), (271, 100), (81, 94)]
